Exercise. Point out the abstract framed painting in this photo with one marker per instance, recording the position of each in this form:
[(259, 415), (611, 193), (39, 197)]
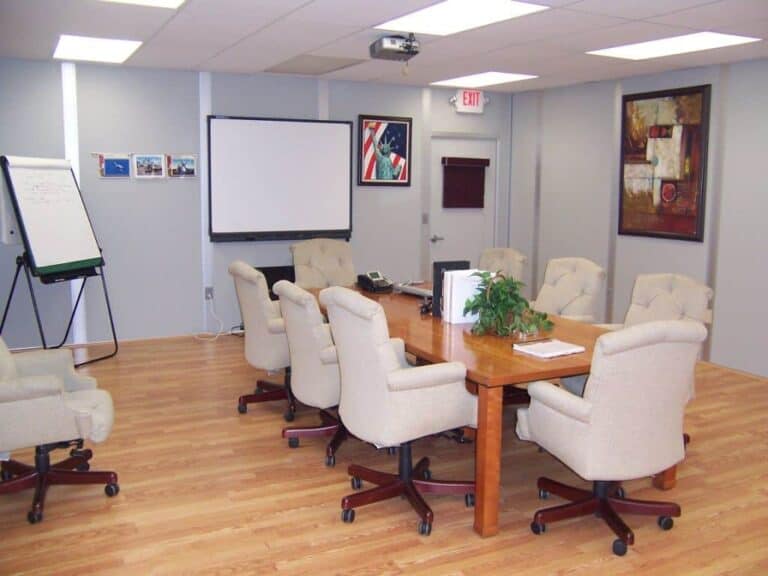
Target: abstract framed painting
[(384, 150), (664, 163)]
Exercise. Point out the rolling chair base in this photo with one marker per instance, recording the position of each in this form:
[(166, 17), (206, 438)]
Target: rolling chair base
[(606, 500), (18, 476), (268, 391), (331, 426), (410, 482)]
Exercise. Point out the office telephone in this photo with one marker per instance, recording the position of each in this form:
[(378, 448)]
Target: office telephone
[(374, 282)]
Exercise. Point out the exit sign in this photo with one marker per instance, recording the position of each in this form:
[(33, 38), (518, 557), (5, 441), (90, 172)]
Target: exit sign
[(470, 101)]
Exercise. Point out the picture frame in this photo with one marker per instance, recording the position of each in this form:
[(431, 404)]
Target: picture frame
[(384, 150), (663, 167), (181, 165), (148, 165), (114, 166)]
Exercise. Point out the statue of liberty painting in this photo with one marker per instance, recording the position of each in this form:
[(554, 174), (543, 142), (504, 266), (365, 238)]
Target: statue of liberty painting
[(384, 168)]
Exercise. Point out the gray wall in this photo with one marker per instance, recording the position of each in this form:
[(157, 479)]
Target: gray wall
[(149, 229), (31, 124), (565, 172)]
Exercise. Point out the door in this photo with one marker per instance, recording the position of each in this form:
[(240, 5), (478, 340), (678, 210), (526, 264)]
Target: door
[(461, 233)]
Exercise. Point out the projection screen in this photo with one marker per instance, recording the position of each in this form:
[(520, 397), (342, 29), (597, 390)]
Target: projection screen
[(275, 179)]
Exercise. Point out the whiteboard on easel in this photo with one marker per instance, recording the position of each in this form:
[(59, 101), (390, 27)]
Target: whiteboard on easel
[(54, 224)]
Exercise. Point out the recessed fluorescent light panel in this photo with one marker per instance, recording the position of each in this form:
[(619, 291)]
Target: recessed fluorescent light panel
[(154, 3), (677, 45), (484, 79), (94, 49), (452, 16)]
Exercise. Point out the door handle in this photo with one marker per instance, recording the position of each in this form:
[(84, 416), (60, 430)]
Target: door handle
[(435, 238)]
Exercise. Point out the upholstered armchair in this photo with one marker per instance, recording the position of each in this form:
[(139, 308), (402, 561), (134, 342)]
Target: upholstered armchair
[(315, 379), (388, 403), (323, 262), (629, 424), (507, 260), (45, 404), (667, 297), (266, 344), (572, 288)]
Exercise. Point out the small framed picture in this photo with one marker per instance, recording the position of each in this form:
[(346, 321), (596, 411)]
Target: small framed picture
[(181, 165), (148, 165), (114, 165), (384, 151)]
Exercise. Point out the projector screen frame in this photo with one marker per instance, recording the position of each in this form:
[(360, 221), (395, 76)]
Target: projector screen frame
[(265, 235)]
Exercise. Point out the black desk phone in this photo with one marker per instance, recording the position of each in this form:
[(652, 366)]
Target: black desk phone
[(374, 282)]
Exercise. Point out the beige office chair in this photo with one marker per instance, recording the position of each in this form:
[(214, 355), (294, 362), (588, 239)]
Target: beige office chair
[(45, 404), (386, 402), (323, 262), (629, 424), (315, 379), (266, 345), (572, 288), (507, 260), (659, 297), (667, 297)]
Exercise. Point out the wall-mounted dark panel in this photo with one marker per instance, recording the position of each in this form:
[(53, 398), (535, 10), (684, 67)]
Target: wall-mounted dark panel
[(464, 182)]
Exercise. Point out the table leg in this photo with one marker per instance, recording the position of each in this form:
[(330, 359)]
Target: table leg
[(488, 460), (666, 479)]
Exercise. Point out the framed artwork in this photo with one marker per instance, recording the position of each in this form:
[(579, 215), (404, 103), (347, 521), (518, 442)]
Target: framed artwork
[(181, 165), (114, 165), (384, 151), (664, 163), (148, 165)]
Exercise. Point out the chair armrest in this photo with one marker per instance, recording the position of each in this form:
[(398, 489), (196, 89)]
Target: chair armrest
[(276, 326), (329, 356), (57, 362), (560, 400), (398, 347), (27, 387), (611, 327), (429, 376)]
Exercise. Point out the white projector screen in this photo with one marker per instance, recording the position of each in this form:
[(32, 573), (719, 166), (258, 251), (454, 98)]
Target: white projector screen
[(274, 179)]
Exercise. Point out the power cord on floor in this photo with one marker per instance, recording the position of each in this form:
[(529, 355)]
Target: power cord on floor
[(211, 336)]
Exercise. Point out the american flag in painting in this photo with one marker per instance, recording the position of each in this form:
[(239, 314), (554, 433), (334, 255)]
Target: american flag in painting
[(394, 133)]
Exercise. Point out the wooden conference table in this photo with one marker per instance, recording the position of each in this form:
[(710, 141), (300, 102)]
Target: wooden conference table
[(491, 364)]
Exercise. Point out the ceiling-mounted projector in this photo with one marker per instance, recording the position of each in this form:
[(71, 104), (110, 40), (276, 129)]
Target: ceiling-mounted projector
[(395, 48)]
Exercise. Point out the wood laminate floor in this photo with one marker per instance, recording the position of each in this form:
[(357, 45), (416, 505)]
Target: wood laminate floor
[(205, 490)]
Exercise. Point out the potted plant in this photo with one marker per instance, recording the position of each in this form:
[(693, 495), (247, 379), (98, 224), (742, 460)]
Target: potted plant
[(502, 309)]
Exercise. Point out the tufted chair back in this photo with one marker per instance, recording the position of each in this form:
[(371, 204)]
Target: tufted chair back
[(266, 345), (572, 288), (508, 260), (323, 262), (668, 297)]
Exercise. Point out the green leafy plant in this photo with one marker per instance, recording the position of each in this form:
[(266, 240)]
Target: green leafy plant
[(502, 309)]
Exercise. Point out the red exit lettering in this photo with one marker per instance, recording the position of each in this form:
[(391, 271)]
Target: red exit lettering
[(471, 98)]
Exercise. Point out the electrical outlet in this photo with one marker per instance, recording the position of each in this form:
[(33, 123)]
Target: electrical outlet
[(209, 292)]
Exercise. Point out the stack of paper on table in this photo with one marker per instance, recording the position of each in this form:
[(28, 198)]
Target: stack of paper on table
[(548, 348)]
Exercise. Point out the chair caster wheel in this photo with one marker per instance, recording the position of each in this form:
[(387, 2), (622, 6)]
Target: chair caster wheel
[(427, 475), (620, 493), (619, 547), (242, 408), (543, 494), (665, 522), (348, 516), (34, 516), (288, 416), (5, 475), (391, 450), (469, 500), (425, 528), (293, 442), (538, 528), (330, 460), (356, 482), (111, 490), (84, 467)]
